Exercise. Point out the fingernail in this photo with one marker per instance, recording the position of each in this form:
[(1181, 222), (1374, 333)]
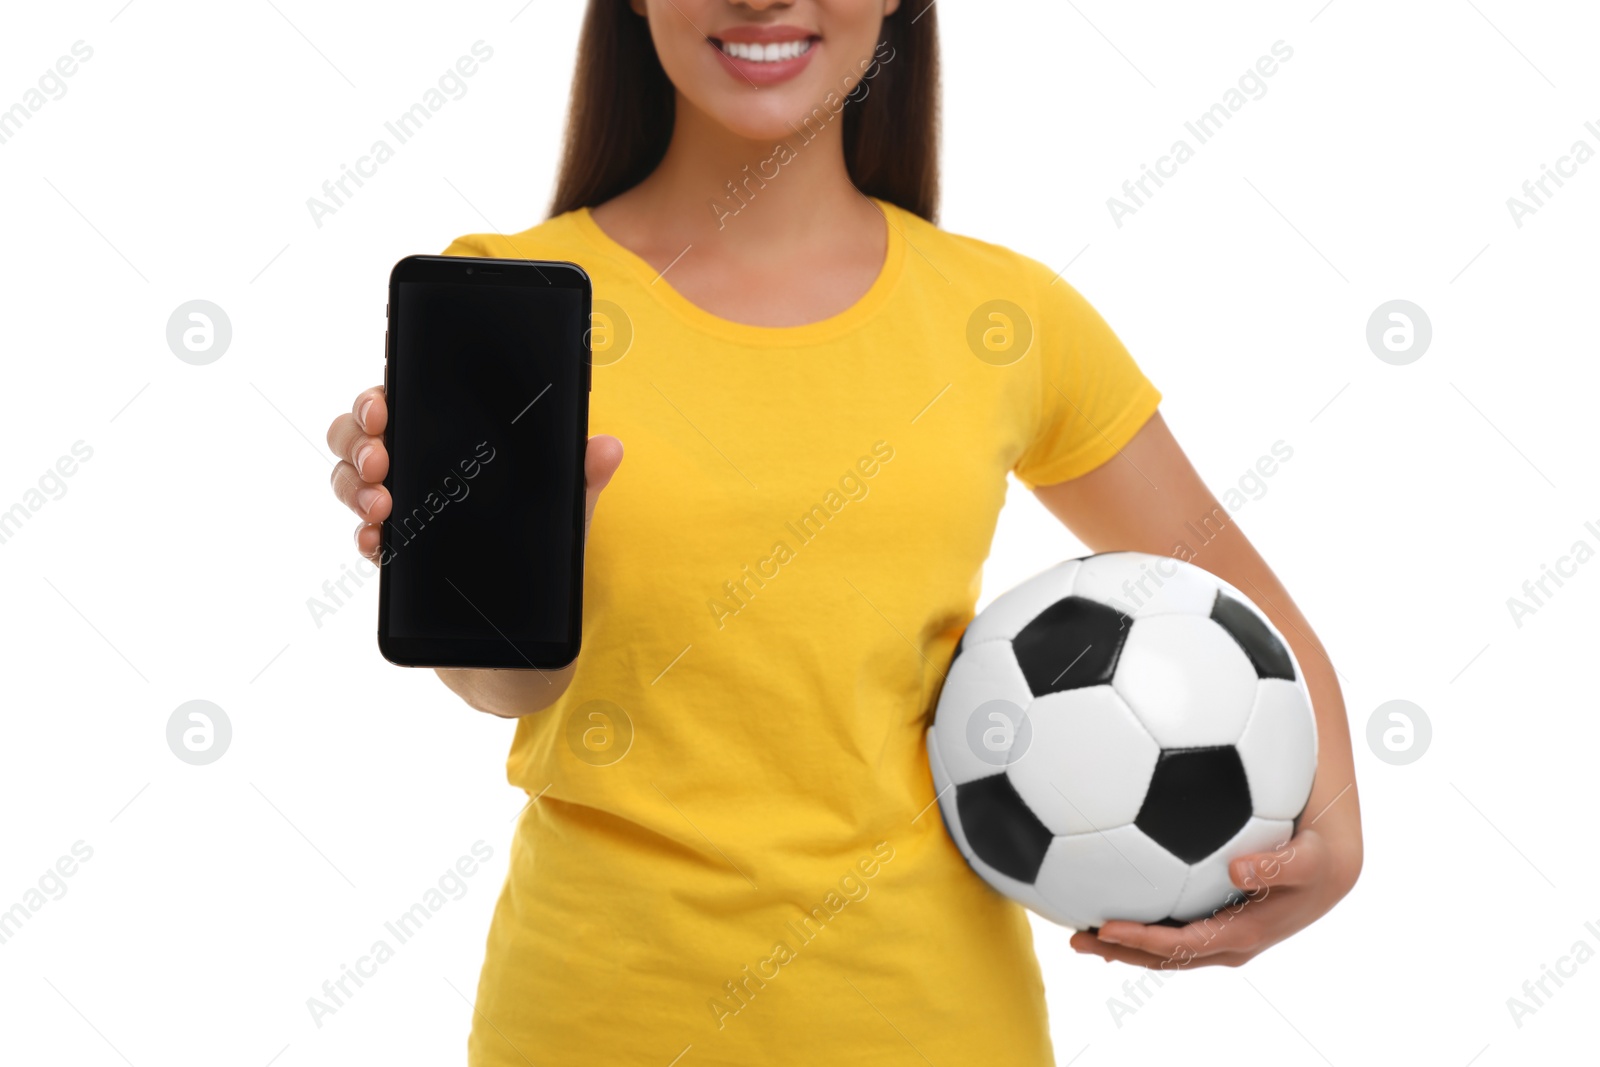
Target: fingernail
[(1111, 939), (361, 457), (362, 417), (366, 498)]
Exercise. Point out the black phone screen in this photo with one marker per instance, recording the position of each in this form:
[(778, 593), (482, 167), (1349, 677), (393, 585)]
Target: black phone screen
[(488, 380)]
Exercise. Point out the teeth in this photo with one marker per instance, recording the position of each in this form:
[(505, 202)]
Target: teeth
[(769, 53)]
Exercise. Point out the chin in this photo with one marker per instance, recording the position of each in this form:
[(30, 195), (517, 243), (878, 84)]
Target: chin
[(769, 122), (773, 114)]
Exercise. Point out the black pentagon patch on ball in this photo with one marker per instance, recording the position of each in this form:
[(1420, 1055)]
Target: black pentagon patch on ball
[(1072, 644), (1001, 828), (1198, 799), (1267, 654)]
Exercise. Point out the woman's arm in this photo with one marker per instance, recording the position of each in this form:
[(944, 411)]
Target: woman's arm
[(508, 694), (356, 437), (1144, 500)]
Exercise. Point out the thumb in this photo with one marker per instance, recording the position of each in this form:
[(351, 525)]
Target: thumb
[(600, 461), (1297, 862)]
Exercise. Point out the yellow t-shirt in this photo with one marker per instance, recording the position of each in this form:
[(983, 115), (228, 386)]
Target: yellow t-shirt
[(733, 854)]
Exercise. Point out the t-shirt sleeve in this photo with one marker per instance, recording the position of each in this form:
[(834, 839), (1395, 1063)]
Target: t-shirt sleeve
[(1091, 395), (471, 245)]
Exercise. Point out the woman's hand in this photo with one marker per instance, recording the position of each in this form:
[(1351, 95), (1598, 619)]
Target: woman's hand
[(357, 439), (1285, 891)]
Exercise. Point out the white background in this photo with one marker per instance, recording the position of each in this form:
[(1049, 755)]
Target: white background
[(178, 563)]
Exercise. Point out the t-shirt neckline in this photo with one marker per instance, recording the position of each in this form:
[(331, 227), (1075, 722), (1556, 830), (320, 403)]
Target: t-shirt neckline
[(833, 326)]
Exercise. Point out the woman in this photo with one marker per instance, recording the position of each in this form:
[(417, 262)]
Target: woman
[(822, 394)]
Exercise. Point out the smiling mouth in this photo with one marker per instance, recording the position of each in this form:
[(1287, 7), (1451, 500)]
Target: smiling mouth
[(776, 52)]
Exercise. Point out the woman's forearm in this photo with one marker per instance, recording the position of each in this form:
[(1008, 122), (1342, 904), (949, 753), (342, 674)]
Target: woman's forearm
[(508, 694), (1333, 809)]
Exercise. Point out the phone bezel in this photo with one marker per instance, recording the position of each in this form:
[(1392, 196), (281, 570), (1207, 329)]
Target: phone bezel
[(500, 653)]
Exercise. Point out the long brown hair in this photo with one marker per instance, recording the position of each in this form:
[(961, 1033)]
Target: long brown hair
[(620, 118)]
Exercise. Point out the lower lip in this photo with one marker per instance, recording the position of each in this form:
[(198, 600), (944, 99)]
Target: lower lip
[(762, 74)]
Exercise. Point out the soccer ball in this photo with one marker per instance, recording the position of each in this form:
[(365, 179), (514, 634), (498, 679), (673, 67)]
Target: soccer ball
[(1115, 730)]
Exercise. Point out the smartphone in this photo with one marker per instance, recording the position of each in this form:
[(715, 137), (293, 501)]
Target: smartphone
[(487, 373)]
